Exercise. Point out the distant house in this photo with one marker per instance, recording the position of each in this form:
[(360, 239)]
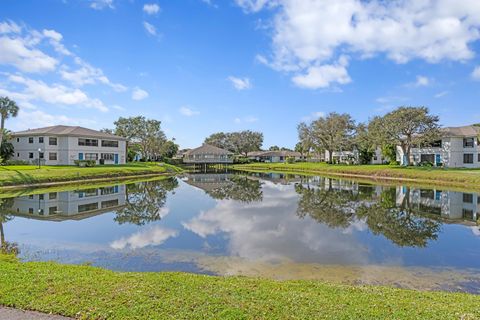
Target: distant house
[(458, 147), (208, 154), (274, 156), (353, 157), (62, 145)]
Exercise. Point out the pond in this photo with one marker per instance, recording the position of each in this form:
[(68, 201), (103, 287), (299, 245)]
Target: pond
[(266, 225)]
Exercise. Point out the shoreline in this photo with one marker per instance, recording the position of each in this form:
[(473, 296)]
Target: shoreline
[(85, 180), (375, 176)]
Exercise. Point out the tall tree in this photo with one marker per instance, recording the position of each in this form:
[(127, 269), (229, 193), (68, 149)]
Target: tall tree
[(364, 144), (146, 133), (246, 141), (6, 148), (335, 132), (405, 127), (219, 139), (305, 141), (8, 108), (241, 142), (169, 149)]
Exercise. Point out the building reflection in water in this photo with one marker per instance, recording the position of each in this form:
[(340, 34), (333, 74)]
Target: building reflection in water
[(70, 205)]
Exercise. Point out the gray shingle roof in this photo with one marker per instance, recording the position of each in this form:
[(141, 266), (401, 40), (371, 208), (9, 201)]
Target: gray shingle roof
[(281, 153), (207, 149), (67, 131), (465, 131)]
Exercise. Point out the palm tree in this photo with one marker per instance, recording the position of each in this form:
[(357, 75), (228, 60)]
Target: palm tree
[(8, 108)]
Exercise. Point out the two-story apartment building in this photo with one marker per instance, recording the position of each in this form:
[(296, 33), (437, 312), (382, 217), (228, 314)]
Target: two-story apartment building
[(62, 145), (458, 147)]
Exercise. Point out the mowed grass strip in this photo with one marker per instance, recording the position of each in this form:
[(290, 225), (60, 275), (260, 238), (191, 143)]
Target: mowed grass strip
[(86, 292), (19, 175), (456, 177)]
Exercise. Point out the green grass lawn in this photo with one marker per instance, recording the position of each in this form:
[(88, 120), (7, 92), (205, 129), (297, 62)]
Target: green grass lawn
[(15, 175), (454, 177), (91, 293)]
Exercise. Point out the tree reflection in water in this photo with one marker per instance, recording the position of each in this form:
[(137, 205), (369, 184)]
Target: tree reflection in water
[(340, 206), (5, 209), (145, 201), (239, 188)]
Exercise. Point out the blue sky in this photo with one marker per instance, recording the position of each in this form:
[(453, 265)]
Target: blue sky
[(205, 66)]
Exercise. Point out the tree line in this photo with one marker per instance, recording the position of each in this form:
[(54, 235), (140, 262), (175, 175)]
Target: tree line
[(405, 127), (241, 142)]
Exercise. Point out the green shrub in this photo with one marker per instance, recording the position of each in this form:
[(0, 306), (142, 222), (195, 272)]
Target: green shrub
[(290, 160), (16, 163), (85, 163)]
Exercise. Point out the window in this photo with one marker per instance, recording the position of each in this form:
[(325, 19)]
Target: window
[(437, 144), (88, 142), (91, 156), (52, 210), (52, 156), (467, 198), (109, 190), (87, 207), (41, 155), (52, 141), (107, 156), (468, 142), (52, 195), (18, 155), (30, 155), (40, 140), (18, 139), (110, 143), (88, 193), (30, 140), (30, 196), (109, 204), (479, 157), (41, 196), (468, 158), (30, 210)]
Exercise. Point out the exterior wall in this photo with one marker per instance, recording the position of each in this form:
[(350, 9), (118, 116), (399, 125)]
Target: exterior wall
[(67, 150), (450, 154), (66, 204)]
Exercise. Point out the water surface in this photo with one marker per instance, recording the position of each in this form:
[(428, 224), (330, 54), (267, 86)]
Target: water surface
[(268, 225)]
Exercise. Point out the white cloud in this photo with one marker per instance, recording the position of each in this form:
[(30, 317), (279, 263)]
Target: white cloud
[(151, 8), (308, 35), (240, 83), (476, 73), (37, 90), (88, 74), (101, 4), (422, 81), (441, 94), (9, 27), (18, 53), (188, 112), (248, 119), (256, 5), (38, 119), (150, 28), (313, 116), (324, 76), (139, 94), (150, 237)]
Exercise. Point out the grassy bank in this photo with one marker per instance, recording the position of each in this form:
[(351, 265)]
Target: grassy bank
[(421, 175), (23, 175), (92, 293)]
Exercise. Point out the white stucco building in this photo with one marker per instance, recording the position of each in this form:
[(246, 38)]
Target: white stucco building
[(458, 147), (62, 145)]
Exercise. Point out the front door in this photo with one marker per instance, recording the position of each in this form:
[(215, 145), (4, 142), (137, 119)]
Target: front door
[(80, 156), (116, 158)]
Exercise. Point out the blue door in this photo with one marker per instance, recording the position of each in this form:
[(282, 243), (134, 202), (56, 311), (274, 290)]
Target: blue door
[(116, 158), (80, 156), (438, 159)]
